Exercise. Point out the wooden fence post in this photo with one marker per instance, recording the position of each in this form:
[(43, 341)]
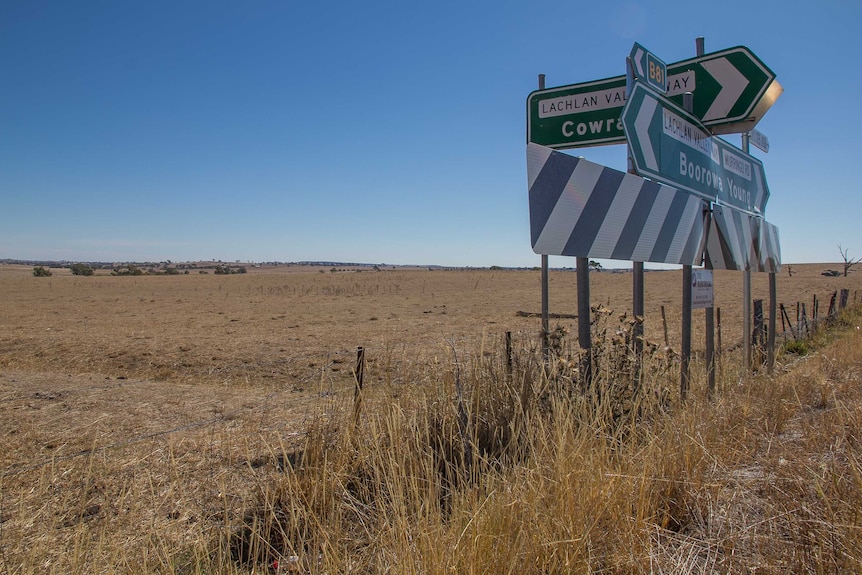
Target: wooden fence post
[(358, 380), (758, 330), (718, 333), (509, 360), (664, 327)]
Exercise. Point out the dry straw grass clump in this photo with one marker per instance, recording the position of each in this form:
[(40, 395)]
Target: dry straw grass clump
[(764, 479)]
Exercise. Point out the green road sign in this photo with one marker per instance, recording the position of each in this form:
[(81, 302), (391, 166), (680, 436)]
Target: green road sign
[(649, 68), (672, 146), (732, 87), (579, 115), (728, 86)]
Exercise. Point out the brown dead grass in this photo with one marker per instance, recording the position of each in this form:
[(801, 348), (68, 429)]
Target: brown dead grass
[(142, 417)]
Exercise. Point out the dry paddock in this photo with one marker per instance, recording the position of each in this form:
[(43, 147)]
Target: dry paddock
[(138, 406)]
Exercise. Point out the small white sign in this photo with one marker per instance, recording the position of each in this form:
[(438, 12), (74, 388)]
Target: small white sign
[(759, 140), (702, 294)]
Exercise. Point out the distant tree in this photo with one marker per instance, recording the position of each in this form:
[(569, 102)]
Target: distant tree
[(129, 270), (81, 270), (42, 272), (595, 266), (848, 261)]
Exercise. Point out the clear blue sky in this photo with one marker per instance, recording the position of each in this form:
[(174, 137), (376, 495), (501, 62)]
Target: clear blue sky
[(370, 131)]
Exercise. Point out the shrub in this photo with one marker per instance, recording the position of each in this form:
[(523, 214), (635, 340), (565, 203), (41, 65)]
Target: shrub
[(799, 347), (42, 272), (227, 270), (129, 270), (81, 269)]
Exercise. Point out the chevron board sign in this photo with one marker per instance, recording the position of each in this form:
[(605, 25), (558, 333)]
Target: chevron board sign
[(582, 209), (739, 241), (732, 90)]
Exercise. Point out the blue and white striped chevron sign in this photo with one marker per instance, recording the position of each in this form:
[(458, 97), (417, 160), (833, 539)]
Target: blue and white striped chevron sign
[(578, 208), (739, 241)]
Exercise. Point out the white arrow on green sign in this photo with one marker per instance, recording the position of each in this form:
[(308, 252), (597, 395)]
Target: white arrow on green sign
[(732, 88), (674, 147), (729, 88)]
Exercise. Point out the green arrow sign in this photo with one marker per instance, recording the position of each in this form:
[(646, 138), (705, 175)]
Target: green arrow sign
[(731, 87), (674, 147), (649, 68), (728, 86)]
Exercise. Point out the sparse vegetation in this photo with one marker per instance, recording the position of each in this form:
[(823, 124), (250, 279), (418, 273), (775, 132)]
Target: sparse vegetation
[(128, 270), (80, 269), (847, 260), (231, 471), (42, 272), (798, 347), (227, 270)]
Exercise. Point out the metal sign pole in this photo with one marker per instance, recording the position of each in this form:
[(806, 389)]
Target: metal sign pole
[(685, 351), (545, 326), (770, 345), (746, 293), (709, 316), (637, 268), (584, 340), (685, 346)]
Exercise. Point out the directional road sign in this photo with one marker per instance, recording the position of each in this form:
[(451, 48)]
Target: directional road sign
[(672, 146), (728, 86), (759, 140), (649, 68), (732, 87), (579, 115)]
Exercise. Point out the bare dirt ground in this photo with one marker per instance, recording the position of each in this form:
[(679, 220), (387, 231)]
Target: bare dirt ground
[(113, 387)]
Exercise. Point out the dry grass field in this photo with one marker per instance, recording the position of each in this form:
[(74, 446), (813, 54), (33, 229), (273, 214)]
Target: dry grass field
[(203, 424)]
